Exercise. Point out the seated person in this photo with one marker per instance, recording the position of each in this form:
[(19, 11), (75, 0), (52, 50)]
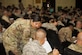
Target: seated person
[(16, 13), (75, 49), (5, 20), (65, 35), (54, 40), (51, 25), (78, 26), (35, 47)]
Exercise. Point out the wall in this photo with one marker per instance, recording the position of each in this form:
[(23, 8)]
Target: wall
[(25, 2), (40, 4), (62, 3), (10, 2), (1, 0), (65, 3)]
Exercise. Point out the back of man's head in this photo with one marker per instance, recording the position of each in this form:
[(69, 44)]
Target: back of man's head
[(79, 36), (40, 35)]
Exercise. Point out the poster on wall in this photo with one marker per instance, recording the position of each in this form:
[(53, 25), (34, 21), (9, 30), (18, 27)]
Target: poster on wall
[(38, 1)]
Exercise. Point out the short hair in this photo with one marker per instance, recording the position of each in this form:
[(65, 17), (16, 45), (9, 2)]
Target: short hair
[(70, 24), (77, 22), (40, 33), (35, 17), (8, 10), (26, 16), (52, 20)]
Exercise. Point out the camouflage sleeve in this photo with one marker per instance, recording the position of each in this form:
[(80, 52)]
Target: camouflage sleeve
[(61, 35), (30, 53), (10, 43), (11, 40), (27, 50), (69, 36), (26, 36)]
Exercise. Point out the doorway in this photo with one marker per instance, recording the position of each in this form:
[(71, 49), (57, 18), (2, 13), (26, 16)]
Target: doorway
[(79, 4), (51, 3)]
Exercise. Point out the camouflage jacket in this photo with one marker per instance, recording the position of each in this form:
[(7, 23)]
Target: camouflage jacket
[(17, 35), (65, 33), (75, 47), (33, 48)]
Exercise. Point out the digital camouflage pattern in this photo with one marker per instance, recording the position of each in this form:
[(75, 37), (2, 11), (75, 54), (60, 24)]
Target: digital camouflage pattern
[(33, 48)]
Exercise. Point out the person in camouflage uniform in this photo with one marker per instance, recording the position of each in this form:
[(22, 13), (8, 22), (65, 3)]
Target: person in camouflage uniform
[(18, 34), (35, 47), (75, 49), (51, 25), (78, 45), (65, 33)]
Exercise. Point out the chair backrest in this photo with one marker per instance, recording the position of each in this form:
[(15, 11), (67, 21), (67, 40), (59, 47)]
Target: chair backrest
[(68, 51), (53, 40)]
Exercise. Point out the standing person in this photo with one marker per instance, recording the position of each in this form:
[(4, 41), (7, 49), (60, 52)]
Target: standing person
[(18, 34)]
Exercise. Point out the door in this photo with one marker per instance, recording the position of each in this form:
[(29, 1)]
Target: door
[(50, 2), (79, 4)]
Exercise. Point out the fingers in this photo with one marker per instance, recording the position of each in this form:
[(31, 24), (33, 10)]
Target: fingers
[(55, 52)]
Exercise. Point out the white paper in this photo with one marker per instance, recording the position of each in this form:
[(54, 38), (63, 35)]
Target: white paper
[(47, 46)]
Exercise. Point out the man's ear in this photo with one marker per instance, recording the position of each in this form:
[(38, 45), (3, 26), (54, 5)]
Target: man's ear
[(31, 21), (34, 37)]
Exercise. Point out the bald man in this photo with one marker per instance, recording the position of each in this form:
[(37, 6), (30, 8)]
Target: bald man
[(75, 49), (35, 47), (78, 45)]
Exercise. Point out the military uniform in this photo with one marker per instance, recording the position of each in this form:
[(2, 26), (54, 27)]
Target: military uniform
[(65, 34), (6, 19), (78, 29), (50, 26), (45, 25), (17, 35), (75, 47), (60, 23), (33, 48)]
